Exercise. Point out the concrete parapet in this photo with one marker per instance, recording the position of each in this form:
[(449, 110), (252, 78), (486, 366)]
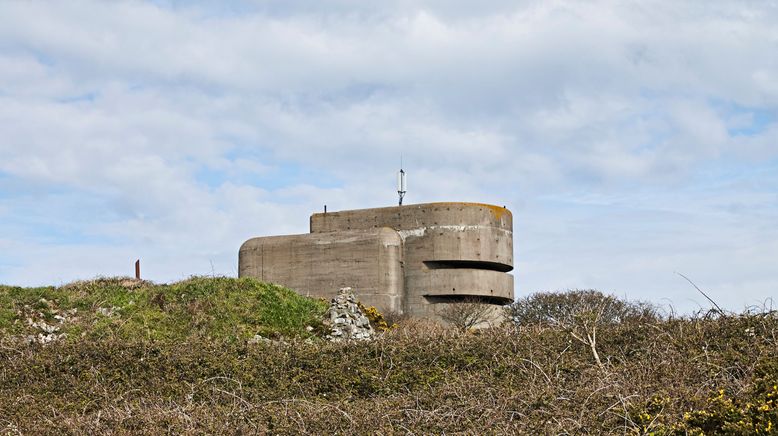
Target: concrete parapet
[(414, 216), (494, 286), (457, 243)]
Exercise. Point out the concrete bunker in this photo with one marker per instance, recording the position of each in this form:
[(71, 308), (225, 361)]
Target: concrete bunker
[(410, 259)]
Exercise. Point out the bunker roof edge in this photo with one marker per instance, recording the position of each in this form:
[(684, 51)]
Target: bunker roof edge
[(498, 211)]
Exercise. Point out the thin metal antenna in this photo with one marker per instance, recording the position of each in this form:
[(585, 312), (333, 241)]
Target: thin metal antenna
[(401, 182)]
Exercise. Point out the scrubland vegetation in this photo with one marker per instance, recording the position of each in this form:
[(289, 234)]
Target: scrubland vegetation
[(131, 357)]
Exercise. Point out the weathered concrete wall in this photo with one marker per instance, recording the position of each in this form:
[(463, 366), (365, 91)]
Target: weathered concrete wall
[(463, 282), (450, 249), (369, 261), (442, 253)]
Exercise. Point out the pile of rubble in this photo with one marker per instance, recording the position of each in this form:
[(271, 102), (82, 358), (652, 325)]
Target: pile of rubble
[(46, 331), (345, 320), (46, 321)]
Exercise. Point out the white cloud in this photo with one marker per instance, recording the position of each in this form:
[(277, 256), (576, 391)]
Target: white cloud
[(178, 132)]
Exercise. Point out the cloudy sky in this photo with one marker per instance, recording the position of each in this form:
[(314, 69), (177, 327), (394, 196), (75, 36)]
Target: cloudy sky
[(630, 139)]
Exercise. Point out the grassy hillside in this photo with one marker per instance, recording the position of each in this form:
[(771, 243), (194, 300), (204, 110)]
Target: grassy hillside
[(120, 308), (711, 375)]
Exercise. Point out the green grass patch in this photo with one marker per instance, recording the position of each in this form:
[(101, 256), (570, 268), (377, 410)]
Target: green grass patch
[(217, 308)]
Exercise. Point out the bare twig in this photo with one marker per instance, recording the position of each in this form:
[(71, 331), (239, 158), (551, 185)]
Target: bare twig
[(721, 312)]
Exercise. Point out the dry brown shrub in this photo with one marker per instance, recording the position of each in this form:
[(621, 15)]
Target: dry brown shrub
[(394, 317), (420, 329), (467, 313), (420, 378)]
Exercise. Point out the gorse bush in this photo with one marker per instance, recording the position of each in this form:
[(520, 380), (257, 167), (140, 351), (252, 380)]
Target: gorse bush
[(665, 379), (665, 376), (376, 318)]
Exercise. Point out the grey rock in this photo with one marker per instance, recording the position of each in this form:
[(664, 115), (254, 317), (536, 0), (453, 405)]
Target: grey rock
[(107, 311), (345, 320), (259, 339)]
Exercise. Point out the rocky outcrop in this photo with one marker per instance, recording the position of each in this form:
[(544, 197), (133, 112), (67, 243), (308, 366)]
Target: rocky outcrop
[(345, 320)]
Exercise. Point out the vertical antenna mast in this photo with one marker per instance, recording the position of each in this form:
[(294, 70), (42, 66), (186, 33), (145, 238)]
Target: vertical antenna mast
[(401, 184)]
